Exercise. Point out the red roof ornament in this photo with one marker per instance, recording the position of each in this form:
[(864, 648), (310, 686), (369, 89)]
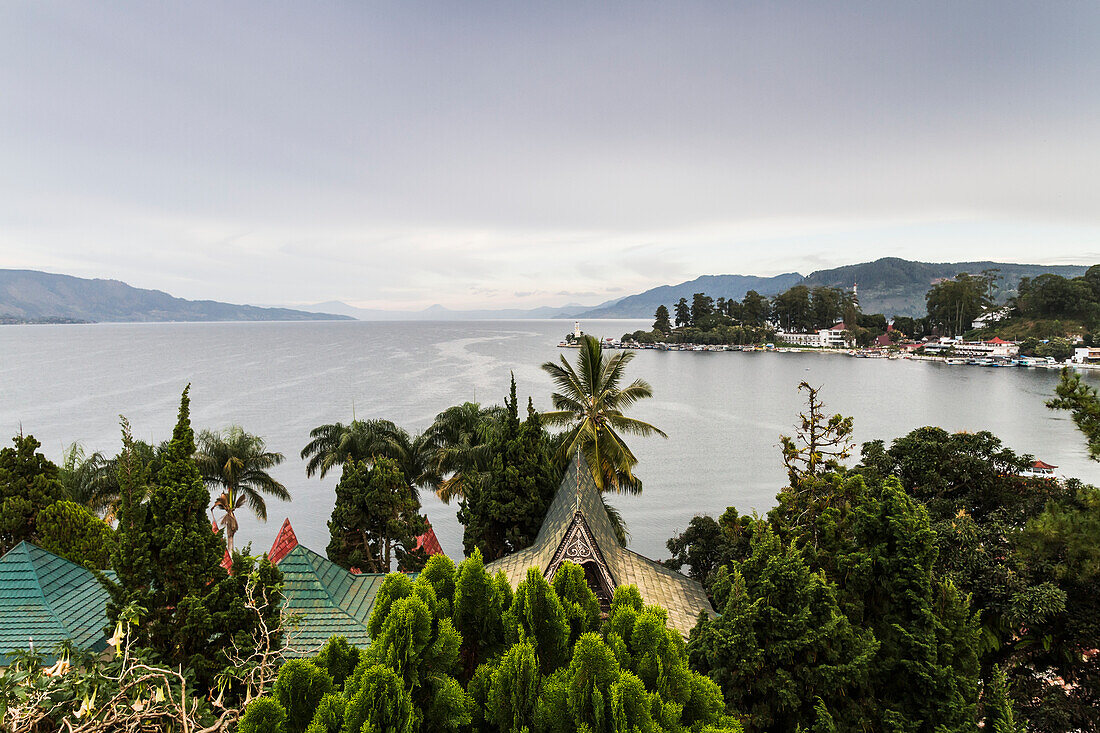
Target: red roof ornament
[(1041, 464), (429, 542), (284, 542), (997, 340)]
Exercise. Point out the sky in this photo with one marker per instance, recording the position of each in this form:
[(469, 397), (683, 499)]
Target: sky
[(478, 154)]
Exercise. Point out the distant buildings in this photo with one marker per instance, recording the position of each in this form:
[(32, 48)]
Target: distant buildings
[(834, 337)]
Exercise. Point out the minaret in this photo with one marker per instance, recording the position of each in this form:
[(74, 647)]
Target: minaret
[(577, 329), (855, 292)]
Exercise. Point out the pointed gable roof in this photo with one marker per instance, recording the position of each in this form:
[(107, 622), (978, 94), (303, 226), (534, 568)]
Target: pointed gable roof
[(577, 512), (330, 599), (284, 542), (46, 599), (429, 542)]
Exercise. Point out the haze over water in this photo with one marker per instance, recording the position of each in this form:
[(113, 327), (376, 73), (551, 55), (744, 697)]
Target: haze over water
[(724, 412)]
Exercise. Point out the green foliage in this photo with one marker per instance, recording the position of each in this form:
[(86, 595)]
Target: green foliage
[(478, 613), (375, 519), (71, 531), (661, 322), (536, 616), (504, 504), (338, 658), (299, 688), (821, 442), (379, 702), (954, 304), (1083, 403), (329, 717), (28, 484), (513, 690), (579, 603), (780, 641), (440, 573), (263, 715), (590, 404), (708, 544)]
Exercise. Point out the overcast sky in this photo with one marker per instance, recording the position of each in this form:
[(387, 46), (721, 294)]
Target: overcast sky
[(400, 154)]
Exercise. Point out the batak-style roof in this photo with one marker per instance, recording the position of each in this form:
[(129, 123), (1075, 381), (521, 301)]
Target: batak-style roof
[(576, 528), (45, 599), (331, 600)]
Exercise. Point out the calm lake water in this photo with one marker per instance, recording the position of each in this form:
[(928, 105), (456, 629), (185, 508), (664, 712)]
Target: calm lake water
[(723, 412)]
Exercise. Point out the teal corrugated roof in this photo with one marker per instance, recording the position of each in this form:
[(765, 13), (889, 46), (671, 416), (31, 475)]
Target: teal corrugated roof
[(330, 599), (47, 599)]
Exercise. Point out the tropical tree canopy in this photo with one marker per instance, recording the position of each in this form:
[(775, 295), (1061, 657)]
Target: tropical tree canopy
[(590, 402), (365, 440), (238, 463)]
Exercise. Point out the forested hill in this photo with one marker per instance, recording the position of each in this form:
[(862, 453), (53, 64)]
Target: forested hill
[(29, 295), (897, 287), (732, 287)]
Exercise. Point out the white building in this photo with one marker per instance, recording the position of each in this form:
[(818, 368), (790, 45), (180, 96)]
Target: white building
[(835, 337), (1089, 355), (994, 348)]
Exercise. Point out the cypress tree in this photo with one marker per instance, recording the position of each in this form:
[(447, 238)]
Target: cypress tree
[(28, 484)]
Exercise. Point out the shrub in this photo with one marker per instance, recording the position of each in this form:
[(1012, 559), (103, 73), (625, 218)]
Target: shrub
[(263, 715), (299, 688), (329, 717), (338, 658)]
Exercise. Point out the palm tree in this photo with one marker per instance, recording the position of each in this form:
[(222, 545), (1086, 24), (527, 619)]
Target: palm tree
[(238, 463), (461, 442), (590, 402), (89, 480), (364, 440)]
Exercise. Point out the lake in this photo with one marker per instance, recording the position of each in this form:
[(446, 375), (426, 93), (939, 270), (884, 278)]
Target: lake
[(723, 412)]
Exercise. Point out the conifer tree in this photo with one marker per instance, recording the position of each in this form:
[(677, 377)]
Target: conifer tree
[(781, 641), (661, 322), (478, 614), (375, 519), (581, 607), (504, 507), (536, 616), (28, 484)]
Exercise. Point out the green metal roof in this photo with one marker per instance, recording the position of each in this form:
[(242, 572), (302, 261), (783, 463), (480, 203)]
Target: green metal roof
[(45, 599), (331, 600)]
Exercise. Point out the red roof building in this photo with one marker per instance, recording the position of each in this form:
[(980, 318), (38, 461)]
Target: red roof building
[(1041, 464), (997, 340)]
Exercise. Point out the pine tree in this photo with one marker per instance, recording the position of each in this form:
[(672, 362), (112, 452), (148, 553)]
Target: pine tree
[(478, 614), (28, 484), (536, 616), (661, 322), (683, 313), (781, 641), (375, 519), (184, 554), (504, 507)]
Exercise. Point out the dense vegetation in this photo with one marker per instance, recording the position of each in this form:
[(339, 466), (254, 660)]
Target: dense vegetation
[(456, 649), (755, 319), (931, 586)]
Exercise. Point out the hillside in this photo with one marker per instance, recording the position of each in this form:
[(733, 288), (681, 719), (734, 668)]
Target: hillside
[(897, 287), (644, 304), (29, 295)]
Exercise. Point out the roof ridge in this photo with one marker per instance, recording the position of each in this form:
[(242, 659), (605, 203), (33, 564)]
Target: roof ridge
[(54, 610)]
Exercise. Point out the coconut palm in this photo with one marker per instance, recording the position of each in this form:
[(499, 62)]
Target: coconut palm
[(364, 440), (461, 442), (238, 462), (590, 403)]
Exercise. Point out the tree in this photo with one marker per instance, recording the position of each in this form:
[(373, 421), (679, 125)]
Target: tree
[(590, 402), (461, 442), (1083, 403), (89, 480), (299, 688), (661, 322), (28, 484), (781, 641), (504, 505), (536, 616), (364, 441), (263, 715), (478, 613), (755, 309), (68, 529), (238, 463), (683, 313), (375, 519), (702, 305), (820, 444), (954, 304)]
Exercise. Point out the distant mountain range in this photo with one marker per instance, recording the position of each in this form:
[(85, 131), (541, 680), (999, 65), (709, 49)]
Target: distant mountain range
[(890, 285), (30, 296), (643, 305)]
